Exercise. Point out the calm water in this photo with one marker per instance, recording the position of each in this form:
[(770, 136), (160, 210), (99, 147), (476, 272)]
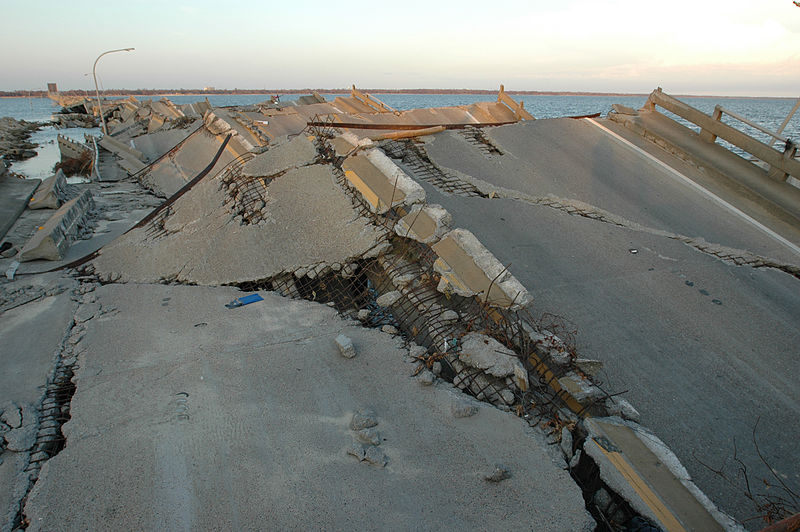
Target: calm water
[(767, 112)]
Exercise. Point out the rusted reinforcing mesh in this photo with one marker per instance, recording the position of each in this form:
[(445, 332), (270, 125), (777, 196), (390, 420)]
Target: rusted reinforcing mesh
[(439, 321), (432, 319), (54, 412), (247, 195), (156, 229), (412, 155), (327, 128), (477, 138)]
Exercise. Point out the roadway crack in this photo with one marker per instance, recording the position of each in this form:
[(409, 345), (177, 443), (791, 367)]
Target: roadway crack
[(727, 254), (46, 437), (414, 158)]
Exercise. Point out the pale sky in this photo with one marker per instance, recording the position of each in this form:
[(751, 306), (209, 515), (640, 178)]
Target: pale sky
[(726, 47)]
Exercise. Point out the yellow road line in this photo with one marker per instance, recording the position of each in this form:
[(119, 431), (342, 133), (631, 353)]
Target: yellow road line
[(666, 517)]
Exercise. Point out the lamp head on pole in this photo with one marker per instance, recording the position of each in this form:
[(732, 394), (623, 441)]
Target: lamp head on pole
[(97, 90)]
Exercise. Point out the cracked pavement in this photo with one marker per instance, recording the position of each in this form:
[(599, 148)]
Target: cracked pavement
[(693, 312)]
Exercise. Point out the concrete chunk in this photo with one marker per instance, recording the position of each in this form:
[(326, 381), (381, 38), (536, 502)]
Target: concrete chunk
[(486, 353), (581, 389), (369, 435), (300, 151), (388, 299), (621, 407), (363, 419), (375, 456), (345, 346), (412, 191)]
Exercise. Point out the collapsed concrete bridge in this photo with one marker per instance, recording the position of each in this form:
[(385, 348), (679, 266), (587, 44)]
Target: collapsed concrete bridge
[(461, 237)]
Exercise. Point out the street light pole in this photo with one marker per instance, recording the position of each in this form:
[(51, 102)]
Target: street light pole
[(97, 90)]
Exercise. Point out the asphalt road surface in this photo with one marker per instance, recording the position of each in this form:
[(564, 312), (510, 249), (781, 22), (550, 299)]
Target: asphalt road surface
[(704, 349)]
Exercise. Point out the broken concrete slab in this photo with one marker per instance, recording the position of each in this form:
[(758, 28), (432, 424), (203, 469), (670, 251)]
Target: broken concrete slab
[(120, 148), (306, 219), (220, 122), (52, 239), (469, 269), (31, 334), (293, 454), (15, 194), (582, 269), (300, 151), (156, 144), (167, 175)]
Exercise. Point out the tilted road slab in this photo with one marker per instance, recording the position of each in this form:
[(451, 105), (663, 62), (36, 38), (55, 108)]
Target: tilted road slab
[(200, 416), (702, 347), (14, 196), (574, 160)]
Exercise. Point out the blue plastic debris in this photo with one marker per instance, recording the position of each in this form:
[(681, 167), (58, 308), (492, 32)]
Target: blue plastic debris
[(246, 300)]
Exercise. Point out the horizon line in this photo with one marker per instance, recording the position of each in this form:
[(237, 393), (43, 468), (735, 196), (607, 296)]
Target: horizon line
[(23, 93)]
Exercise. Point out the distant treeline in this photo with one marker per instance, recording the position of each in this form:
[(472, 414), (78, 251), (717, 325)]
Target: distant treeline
[(154, 92)]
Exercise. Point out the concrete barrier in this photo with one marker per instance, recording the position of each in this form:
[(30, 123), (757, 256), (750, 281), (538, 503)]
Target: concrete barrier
[(381, 182), (469, 269), (426, 224), (51, 193), (52, 240)]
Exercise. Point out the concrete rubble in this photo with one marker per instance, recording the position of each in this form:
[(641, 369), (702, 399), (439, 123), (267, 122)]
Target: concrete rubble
[(14, 143), (419, 367)]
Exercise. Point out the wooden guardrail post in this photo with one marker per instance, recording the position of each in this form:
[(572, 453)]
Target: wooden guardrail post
[(705, 134), (518, 108), (781, 164), (371, 101), (789, 153), (650, 105)]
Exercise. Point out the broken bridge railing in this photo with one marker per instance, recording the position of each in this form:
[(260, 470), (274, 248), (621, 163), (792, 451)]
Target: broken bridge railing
[(782, 164)]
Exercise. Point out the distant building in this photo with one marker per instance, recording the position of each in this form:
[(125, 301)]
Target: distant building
[(208, 88)]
